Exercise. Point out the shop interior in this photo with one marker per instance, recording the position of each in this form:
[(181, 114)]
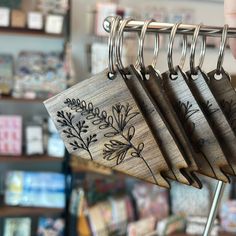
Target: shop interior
[(48, 46)]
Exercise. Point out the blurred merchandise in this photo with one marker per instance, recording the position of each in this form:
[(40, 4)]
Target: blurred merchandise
[(35, 20), (198, 199), (4, 17), (51, 226), (54, 24), (171, 225), (13, 4), (10, 135), (228, 216), (55, 145), (18, 19), (42, 74), (34, 140), (141, 227), (22, 188), (6, 74), (53, 6), (17, 227), (196, 225), (151, 201)]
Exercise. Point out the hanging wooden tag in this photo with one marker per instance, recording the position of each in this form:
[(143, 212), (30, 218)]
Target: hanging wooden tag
[(210, 158), (225, 95), (159, 128), (215, 117), (154, 85), (99, 120)]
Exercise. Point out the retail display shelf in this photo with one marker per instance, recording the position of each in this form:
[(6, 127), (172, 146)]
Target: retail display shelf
[(6, 211)]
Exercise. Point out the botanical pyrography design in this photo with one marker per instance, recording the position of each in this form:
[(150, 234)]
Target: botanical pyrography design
[(229, 108), (186, 111), (76, 131), (118, 124), (208, 108)]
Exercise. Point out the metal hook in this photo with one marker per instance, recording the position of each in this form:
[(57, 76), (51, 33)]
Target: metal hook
[(140, 58), (222, 49), (119, 44), (193, 50), (170, 49), (111, 44)]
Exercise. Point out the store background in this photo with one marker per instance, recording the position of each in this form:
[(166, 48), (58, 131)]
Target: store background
[(111, 193)]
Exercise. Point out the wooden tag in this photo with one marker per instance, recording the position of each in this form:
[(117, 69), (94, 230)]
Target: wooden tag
[(154, 85), (159, 128), (99, 120), (210, 158), (215, 117), (225, 95)]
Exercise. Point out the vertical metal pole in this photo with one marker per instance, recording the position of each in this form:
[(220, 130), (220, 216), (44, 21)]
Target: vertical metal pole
[(214, 207)]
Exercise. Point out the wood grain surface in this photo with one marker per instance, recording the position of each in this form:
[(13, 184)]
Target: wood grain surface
[(225, 95), (210, 158), (216, 118), (99, 120), (154, 85), (159, 128)]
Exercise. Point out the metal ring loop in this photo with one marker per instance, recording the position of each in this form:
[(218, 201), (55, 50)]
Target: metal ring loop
[(140, 58), (111, 42), (193, 50), (119, 43), (222, 49), (170, 49)]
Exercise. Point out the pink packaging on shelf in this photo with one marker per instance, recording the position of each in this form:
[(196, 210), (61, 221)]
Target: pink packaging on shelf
[(10, 135)]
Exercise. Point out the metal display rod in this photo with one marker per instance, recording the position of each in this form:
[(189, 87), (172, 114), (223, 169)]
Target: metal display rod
[(157, 27)]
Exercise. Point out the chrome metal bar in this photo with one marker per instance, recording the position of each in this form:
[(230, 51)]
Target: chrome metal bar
[(156, 27), (214, 207)]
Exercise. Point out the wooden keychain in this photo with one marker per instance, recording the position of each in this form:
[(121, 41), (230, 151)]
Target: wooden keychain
[(220, 85), (198, 83), (153, 85), (158, 126), (98, 120), (210, 158)]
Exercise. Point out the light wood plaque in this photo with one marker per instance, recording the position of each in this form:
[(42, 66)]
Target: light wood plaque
[(99, 120)]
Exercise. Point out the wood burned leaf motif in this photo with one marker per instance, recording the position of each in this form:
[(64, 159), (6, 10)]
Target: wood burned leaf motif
[(119, 126), (229, 108), (208, 108), (76, 132), (186, 111)]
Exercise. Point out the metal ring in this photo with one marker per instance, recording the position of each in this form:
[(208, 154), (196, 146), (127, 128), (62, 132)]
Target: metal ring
[(119, 43), (170, 49), (140, 58), (193, 50), (222, 49), (111, 42)]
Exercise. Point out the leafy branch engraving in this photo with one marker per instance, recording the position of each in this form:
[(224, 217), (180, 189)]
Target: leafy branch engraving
[(186, 111), (76, 132), (118, 122), (208, 108), (229, 107)]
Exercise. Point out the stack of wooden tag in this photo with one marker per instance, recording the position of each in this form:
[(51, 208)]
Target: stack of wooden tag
[(155, 127)]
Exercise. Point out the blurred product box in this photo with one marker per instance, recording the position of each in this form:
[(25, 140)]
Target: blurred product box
[(35, 20), (54, 24), (4, 17), (34, 140), (18, 19), (228, 216), (22, 188), (10, 135), (17, 226), (6, 74)]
